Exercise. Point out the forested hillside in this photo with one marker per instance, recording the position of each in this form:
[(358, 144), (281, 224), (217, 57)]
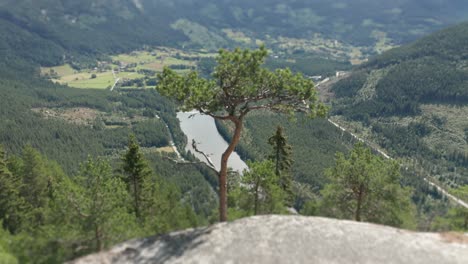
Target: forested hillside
[(56, 28), (413, 102)]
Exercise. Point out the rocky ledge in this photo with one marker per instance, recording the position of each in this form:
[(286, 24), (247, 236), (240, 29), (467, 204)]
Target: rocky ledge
[(290, 239)]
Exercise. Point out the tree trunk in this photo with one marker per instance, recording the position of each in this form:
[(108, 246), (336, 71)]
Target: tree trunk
[(224, 168), (135, 196), (257, 186), (277, 165), (357, 215), (466, 221), (98, 237)]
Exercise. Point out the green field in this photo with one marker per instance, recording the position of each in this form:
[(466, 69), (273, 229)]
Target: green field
[(126, 67), (62, 70)]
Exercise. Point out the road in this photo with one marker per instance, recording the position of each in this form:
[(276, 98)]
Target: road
[(361, 140), (116, 80), (455, 199), (171, 142), (385, 155)]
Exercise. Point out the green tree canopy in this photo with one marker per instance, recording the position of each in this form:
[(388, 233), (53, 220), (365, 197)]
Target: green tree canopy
[(365, 187), (99, 203), (258, 191), (136, 173), (240, 85), (456, 217), (12, 204), (281, 156), (262, 184)]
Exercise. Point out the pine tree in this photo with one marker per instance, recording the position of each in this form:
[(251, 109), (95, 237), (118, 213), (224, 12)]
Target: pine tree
[(12, 205), (35, 178), (281, 157), (99, 204), (365, 187), (136, 173), (260, 183)]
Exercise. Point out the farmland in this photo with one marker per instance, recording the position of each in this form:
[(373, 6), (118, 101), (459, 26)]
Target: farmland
[(136, 69)]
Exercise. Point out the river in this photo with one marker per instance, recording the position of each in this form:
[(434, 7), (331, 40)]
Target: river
[(202, 128)]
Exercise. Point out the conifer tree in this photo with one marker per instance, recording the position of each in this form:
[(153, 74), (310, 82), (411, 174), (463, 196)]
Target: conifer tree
[(365, 187), (35, 178), (12, 205), (281, 156), (260, 184), (136, 173), (99, 203)]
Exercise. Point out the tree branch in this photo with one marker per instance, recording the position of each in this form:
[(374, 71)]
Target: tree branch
[(213, 115), (179, 162), (194, 146), (77, 208)]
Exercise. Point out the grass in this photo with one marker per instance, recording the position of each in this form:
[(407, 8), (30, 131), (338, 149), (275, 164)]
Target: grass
[(62, 70), (130, 75), (102, 81), (135, 57), (151, 60), (174, 61), (155, 66)]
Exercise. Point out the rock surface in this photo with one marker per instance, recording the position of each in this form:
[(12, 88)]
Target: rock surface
[(290, 239)]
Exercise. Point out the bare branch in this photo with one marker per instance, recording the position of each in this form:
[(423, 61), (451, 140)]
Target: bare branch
[(194, 146), (214, 116), (181, 162)]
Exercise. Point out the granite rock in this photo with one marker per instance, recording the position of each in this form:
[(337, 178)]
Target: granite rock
[(290, 239)]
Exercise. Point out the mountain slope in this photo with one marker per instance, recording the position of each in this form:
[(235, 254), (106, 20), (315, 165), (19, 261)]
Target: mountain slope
[(50, 29), (413, 101), (350, 21), (90, 27)]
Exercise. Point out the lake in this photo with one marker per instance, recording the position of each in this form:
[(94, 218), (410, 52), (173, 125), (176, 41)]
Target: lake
[(202, 128)]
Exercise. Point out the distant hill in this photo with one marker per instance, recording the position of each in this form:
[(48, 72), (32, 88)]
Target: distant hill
[(430, 70), (46, 30), (51, 29), (415, 100)]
